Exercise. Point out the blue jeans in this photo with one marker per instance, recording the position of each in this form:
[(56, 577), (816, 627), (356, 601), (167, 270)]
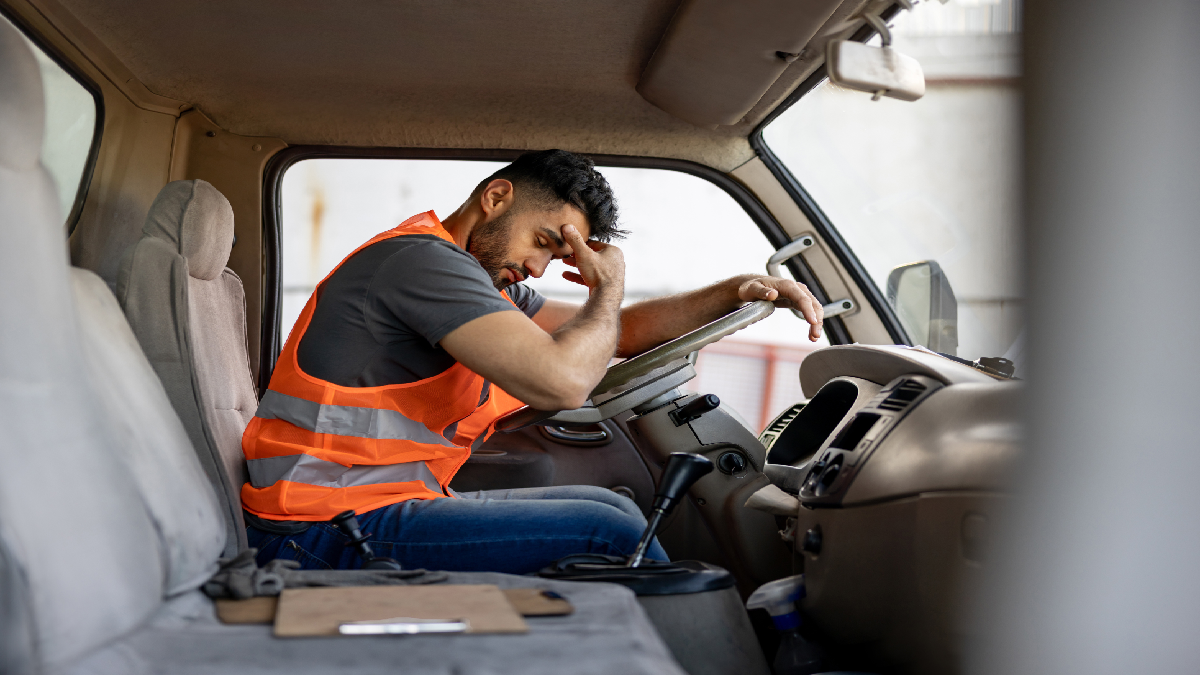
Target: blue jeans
[(516, 531)]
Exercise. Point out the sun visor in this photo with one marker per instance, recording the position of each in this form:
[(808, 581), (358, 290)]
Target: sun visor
[(718, 58)]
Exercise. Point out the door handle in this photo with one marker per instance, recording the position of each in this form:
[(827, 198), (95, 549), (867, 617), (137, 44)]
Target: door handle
[(596, 435)]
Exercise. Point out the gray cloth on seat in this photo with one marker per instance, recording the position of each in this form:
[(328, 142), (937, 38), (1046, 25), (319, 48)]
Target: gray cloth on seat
[(188, 313), (63, 499), (240, 577), (608, 633), (152, 441), (196, 221), (17, 651)]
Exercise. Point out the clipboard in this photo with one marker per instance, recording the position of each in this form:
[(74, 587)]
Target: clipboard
[(309, 612)]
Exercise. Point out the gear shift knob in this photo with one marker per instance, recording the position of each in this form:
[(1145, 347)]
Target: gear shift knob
[(681, 473)]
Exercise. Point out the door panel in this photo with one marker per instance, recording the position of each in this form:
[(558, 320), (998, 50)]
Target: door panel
[(533, 458)]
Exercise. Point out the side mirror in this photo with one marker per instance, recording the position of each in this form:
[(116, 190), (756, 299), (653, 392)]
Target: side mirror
[(925, 304), (882, 71)]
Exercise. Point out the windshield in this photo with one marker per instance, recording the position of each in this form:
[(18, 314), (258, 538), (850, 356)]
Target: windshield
[(931, 180)]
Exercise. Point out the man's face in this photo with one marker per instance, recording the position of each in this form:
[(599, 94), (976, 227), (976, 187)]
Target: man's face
[(520, 242)]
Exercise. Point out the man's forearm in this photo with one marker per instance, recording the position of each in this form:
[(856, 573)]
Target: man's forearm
[(550, 371), (650, 323), (589, 340)]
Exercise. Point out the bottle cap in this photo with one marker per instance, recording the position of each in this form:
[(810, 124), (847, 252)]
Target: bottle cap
[(779, 599), (786, 621)]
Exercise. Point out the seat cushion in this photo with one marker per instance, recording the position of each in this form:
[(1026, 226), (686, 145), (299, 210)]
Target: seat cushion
[(188, 311), (217, 314), (152, 288), (151, 440), (608, 633)]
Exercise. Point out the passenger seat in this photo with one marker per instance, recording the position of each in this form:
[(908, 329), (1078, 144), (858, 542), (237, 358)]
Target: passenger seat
[(188, 311)]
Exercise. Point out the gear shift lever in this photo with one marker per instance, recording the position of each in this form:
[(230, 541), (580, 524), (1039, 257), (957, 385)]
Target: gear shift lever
[(682, 471)]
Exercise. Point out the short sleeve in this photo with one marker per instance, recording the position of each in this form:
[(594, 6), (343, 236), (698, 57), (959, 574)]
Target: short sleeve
[(526, 299), (429, 287)]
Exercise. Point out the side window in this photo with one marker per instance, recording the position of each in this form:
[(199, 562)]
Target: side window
[(685, 233), (71, 113), (932, 180)]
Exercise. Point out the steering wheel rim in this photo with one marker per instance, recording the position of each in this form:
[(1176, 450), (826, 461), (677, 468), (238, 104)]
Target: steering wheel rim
[(683, 345), (647, 361)]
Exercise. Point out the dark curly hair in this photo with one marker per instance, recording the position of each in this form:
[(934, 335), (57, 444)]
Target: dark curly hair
[(555, 177)]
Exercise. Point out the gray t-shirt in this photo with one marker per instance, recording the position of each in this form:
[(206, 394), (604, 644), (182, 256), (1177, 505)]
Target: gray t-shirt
[(381, 315)]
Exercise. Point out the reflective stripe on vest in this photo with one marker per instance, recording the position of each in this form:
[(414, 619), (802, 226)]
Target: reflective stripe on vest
[(309, 470), (343, 420), (315, 449)]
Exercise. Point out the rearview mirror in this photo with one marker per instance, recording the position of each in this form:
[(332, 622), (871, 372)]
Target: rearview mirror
[(882, 71), (925, 304)]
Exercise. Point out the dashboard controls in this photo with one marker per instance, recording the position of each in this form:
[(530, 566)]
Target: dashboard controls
[(694, 409), (732, 462), (856, 435), (852, 434), (829, 476), (814, 473), (812, 541)]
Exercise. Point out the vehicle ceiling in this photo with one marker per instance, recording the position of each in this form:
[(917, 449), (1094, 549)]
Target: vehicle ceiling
[(421, 73)]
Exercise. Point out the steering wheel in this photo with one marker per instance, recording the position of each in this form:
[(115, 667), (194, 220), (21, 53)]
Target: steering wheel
[(643, 377)]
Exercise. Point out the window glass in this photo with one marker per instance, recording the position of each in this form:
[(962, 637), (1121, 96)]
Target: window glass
[(935, 179), (70, 127), (685, 233)]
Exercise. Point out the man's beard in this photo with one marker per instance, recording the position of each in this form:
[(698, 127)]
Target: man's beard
[(489, 245)]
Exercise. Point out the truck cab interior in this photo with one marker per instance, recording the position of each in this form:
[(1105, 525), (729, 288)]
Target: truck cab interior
[(951, 505)]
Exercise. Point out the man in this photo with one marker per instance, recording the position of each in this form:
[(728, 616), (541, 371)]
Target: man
[(412, 348)]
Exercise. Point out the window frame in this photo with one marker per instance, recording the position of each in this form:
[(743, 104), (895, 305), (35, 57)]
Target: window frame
[(272, 218), (90, 86), (808, 205)]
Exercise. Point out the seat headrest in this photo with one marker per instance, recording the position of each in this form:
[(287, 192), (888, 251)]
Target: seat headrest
[(197, 221), (22, 107)]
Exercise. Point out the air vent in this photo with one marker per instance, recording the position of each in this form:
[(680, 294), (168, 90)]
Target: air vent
[(785, 419), (772, 432), (902, 396)]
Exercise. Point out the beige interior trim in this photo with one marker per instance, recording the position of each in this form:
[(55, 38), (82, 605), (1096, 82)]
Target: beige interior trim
[(69, 36), (718, 58), (843, 23), (864, 326), (234, 165)]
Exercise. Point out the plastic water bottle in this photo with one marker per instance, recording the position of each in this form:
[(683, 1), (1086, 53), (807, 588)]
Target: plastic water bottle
[(796, 656)]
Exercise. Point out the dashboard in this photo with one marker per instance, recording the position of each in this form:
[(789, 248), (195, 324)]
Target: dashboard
[(888, 421), (901, 461)]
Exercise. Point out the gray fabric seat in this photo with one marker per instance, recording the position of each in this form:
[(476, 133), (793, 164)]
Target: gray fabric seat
[(69, 500), (188, 311), (108, 521), (607, 634)]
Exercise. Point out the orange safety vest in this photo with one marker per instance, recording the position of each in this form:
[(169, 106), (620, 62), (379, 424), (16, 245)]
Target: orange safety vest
[(315, 449)]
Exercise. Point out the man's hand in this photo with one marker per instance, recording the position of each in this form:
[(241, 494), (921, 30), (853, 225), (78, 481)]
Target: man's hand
[(788, 294), (598, 264), (551, 367)]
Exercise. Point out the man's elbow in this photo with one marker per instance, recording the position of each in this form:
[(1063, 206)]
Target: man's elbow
[(563, 394), (560, 400)]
